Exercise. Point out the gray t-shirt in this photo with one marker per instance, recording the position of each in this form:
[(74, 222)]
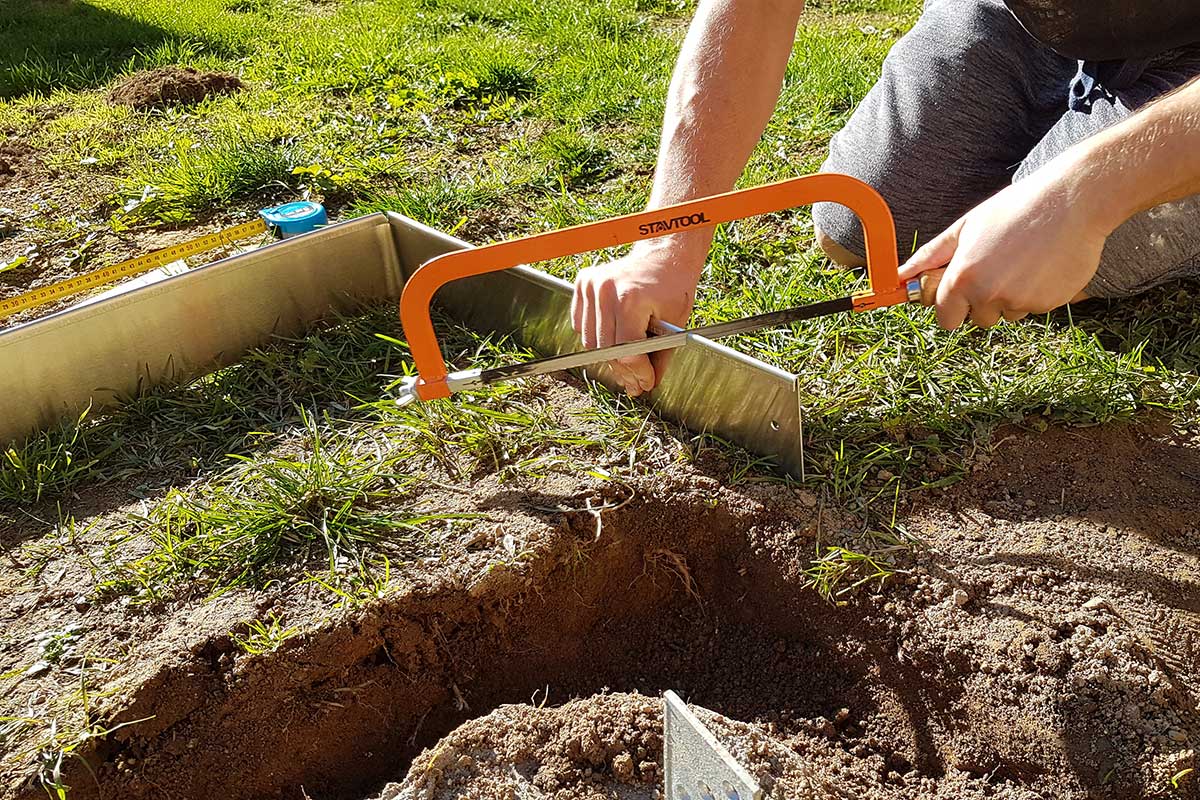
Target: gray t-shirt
[(1110, 30)]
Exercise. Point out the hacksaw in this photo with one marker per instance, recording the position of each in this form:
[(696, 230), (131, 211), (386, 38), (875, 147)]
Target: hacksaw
[(433, 381)]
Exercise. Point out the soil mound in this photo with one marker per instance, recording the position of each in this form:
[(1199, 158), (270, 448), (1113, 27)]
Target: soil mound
[(171, 86), (585, 749), (610, 746), (15, 159)]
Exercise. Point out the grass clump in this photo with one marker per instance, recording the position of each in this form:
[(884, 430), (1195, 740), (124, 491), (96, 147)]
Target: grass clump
[(577, 159), (330, 499), (263, 636), (47, 462), (492, 433), (838, 571), (199, 175)]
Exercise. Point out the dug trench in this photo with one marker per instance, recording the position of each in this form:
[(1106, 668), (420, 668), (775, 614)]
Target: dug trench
[(1037, 638)]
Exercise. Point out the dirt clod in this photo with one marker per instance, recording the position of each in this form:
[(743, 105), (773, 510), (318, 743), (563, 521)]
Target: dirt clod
[(584, 749), (15, 158), (170, 86)]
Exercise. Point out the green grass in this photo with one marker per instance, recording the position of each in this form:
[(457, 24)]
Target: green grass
[(196, 175), (838, 571), (332, 498), (501, 118), (296, 464), (47, 462), (360, 100), (55, 45), (494, 119), (263, 636)]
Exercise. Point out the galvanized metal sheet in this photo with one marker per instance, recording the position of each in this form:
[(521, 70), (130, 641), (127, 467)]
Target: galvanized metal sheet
[(695, 765), (709, 388), (188, 325), (185, 326)]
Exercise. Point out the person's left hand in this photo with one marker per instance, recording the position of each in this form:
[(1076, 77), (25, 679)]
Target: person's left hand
[(1030, 248)]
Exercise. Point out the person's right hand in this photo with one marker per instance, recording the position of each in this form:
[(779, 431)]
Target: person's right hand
[(615, 302)]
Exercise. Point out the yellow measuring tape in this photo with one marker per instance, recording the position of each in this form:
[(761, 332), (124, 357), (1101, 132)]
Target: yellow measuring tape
[(127, 269)]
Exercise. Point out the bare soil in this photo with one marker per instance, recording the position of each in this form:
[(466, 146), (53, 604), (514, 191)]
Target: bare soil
[(1040, 638), (35, 199), (1042, 644), (171, 86), (14, 160)]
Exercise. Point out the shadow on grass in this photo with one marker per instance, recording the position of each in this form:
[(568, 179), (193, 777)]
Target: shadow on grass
[(68, 44)]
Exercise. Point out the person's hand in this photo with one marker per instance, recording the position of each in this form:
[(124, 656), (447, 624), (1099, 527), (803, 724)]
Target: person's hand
[(615, 303), (1028, 249)]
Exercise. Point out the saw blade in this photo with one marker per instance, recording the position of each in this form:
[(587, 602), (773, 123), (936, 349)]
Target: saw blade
[(474, 378), (695, 765), (665, 341)]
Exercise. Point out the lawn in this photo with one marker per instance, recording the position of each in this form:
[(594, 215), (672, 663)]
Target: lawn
[(488, 120), (492, 120)]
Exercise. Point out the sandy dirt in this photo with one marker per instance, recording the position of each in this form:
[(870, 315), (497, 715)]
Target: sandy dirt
[(1042, 644), (171, 86), (1038, 639)]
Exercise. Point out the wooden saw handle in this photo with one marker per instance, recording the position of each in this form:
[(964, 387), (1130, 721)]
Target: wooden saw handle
[(929, 285), (932, 279)]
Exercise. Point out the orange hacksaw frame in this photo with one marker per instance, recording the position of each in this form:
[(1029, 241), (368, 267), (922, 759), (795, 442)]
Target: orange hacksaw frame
[(879, 235)]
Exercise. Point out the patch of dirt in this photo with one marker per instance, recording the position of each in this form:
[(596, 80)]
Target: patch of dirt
[(171, 86), (1047, 646), (15, 159), (1037, 639)]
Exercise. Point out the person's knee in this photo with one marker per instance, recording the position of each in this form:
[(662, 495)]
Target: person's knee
[(836, 253), (921, 138), (968, 34)]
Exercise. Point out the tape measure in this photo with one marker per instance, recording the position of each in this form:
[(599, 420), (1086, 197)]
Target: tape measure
[(127, 269)]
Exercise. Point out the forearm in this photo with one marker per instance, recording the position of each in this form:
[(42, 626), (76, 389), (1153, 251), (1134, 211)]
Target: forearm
[(1150, 158), (723, 91)]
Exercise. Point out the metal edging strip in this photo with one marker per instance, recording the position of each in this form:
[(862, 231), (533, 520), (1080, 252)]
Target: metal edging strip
[(710, 388), (185, 326), (188, 325)]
